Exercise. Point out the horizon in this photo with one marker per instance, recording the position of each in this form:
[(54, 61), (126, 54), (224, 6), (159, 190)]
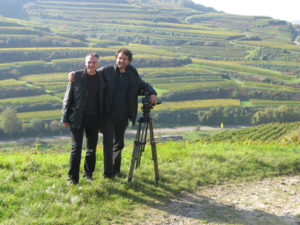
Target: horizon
[(287, 10)]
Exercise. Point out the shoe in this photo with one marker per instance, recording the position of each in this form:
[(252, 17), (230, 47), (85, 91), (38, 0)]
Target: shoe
[(89, 177), (73, 182), (108, 176), (119, 174)]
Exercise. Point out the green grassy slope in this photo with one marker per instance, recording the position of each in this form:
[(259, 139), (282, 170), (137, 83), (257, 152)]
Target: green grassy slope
[(34, 186)]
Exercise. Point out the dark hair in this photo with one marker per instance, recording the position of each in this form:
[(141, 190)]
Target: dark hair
[(126, 51), (93, 55)]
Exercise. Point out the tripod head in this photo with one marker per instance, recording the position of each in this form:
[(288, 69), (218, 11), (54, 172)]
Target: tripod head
[(147, 105)]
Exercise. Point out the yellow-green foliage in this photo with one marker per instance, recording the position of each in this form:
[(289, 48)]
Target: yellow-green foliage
[(270, 86), (283, 133), (262, 102), (56, 49), (179, 79), (46, 77), (43, 115), (19, 64), (197, 85), (150, 50), (2, 29), (28, 100), (195, 104), (18, 35), (173, 70), (283, 63), (11, 83), (236, 66), (273, 44)]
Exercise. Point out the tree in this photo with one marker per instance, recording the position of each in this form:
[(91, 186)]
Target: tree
[(55, 125), (9, 122), (37, 125)]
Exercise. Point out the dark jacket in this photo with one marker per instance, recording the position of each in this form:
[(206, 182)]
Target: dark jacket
[(136, 85), (75, 99)]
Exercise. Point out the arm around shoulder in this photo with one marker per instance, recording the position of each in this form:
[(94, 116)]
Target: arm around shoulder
[(66, 103)]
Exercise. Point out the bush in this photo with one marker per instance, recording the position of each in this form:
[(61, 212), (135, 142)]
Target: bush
[(9, 122), (281, 114), (38, 125), (55, 126), (229, 115)]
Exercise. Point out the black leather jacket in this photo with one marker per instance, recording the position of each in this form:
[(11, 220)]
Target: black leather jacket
[(75, 99), (136, 85)]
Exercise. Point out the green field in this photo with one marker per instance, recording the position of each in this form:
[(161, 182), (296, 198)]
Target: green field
[(34, 187)]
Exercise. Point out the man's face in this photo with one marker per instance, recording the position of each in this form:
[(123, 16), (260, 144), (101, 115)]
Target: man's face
[(91, 64), (122, 61)]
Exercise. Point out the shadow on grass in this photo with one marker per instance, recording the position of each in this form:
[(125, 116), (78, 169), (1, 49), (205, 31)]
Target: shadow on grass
[(190, 208)]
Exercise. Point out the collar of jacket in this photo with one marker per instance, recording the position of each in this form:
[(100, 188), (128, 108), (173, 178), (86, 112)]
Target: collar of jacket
[(116, 68), (84, 73)]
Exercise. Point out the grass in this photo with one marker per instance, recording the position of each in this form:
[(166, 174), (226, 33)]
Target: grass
[(34, 186)]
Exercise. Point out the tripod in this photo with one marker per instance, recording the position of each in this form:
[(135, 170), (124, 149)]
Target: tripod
[(144, 123)]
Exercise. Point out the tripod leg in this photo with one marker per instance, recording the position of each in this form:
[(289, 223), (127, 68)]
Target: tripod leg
[(143, 140), (135, 152), (139, 147), (153, 148)]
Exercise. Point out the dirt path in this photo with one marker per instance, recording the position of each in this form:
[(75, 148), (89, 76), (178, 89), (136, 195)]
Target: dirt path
[(190, 128), (270, 201)]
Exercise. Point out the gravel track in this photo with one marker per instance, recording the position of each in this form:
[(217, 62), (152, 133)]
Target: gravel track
[(273, 201)]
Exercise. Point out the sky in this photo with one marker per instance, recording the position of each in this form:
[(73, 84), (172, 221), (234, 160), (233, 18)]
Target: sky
[(278, 9)]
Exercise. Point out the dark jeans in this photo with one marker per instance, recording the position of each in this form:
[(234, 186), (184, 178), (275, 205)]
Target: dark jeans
[(113, 141), (90, 128)]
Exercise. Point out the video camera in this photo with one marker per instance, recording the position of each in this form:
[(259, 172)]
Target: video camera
[(147, 104)]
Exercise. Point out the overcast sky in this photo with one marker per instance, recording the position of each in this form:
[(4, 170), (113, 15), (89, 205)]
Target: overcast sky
[(278, 9)]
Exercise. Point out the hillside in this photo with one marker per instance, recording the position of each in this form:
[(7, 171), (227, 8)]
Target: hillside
[(267, 133), (196, 57)]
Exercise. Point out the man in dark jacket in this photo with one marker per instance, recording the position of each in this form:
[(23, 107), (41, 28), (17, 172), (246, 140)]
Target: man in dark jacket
[(123, 85), (82, 110)]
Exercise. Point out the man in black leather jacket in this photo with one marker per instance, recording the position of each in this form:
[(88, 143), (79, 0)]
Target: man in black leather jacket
[(123, 85), (82, 111)]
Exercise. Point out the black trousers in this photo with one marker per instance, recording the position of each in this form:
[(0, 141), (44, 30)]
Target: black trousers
[(113, 143), (90, 128)]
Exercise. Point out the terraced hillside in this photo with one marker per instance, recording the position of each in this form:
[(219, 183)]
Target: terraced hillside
[(267, 133), (190, 53)]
